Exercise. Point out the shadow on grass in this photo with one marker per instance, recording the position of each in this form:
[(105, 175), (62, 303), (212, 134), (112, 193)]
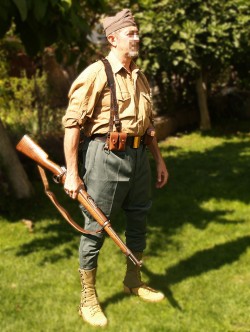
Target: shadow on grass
[(206, 260), (220, 173), (121, 295), (50, 229), (199, 263), (48, 243)]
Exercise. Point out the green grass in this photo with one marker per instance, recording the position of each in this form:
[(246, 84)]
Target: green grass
[(197, 254)]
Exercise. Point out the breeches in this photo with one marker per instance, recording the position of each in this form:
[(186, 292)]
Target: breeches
[(115, 180)]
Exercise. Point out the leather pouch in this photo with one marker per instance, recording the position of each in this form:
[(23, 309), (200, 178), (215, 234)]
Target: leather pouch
[(117, 141), (113, 140), (122, 141)]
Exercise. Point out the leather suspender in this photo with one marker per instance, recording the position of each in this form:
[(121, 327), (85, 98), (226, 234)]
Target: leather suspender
[(114, 116)]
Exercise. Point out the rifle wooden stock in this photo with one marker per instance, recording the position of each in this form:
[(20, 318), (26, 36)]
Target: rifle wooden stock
[(28, 147)]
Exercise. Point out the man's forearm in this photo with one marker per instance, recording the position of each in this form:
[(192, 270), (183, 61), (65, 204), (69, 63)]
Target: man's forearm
[(155, 151), (71, 143), (162, 173)]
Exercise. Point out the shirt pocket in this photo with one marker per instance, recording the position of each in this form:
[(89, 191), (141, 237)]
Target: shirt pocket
[(123, 96), (124, 100)]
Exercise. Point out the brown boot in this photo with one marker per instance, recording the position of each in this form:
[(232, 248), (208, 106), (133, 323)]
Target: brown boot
[(134, 285), (90, 309)]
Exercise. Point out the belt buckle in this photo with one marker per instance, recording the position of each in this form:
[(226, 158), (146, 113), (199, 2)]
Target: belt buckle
[(136, 142)]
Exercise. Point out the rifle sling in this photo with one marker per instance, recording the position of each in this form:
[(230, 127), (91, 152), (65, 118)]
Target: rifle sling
[(61, 209)]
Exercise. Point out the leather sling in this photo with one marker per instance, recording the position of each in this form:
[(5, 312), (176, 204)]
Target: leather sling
[(61, 209)]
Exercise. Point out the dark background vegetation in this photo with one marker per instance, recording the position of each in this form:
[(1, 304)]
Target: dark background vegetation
[(195, 55)]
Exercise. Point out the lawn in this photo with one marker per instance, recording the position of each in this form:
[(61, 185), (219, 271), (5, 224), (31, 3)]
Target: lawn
[(198, 250)]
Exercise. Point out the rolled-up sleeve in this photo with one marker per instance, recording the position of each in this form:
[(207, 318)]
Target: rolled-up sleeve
[(82, 98)]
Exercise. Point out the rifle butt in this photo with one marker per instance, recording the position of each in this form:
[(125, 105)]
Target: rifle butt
[(29, 148)]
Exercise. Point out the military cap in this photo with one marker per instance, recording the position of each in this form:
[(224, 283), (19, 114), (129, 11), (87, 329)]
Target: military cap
[(121, 20)]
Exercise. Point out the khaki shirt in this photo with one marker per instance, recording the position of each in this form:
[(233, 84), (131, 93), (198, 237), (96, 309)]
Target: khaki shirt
[(89, 99)]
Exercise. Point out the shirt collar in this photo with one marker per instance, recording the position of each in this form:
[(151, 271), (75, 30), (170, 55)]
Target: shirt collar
[(117, 65)]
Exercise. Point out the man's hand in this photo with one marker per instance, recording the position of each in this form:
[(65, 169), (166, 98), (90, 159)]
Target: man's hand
[(72, 184), (162, 174)]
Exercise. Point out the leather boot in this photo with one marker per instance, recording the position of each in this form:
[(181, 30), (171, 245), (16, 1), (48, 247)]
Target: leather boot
[(134, 285), (90, 309)]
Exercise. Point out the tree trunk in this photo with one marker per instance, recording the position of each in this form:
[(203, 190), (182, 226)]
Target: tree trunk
[(15, 172), (201, 89)]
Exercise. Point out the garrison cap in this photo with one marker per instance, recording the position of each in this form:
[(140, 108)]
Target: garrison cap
[(121, 20)]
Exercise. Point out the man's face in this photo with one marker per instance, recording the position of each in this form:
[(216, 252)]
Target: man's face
[(128, 41)]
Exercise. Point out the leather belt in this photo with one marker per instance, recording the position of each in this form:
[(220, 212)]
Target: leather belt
[(131, 141)]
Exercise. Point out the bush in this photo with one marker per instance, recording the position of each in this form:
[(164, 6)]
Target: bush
[(24, 102)]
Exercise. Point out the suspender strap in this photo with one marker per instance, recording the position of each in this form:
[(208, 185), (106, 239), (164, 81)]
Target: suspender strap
[(114, 116)]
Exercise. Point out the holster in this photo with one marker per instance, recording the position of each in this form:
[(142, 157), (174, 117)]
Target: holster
[(149, 136), (147, 139)]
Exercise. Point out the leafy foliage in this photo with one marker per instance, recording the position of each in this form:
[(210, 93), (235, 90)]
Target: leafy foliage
[(180, 40), (41, 23), (24, 101), (186, 36), (193, 42)]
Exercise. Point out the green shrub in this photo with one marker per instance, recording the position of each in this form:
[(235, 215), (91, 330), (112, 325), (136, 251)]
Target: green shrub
[(24, 102)]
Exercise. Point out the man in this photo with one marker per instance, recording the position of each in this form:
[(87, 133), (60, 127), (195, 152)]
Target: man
[(115, 179)]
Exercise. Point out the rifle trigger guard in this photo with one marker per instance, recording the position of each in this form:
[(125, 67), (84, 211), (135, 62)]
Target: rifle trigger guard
[(58, 177)]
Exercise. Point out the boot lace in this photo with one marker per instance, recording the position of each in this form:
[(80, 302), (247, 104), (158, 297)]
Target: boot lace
[(95, 309)]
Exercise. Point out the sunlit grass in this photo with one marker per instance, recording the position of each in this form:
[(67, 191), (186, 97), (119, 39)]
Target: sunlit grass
[(197, 254)]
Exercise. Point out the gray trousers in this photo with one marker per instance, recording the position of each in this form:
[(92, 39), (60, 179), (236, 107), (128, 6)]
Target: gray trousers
[(115, 180)]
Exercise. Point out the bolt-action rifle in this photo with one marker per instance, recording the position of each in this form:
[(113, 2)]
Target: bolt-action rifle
[(28, 147)]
